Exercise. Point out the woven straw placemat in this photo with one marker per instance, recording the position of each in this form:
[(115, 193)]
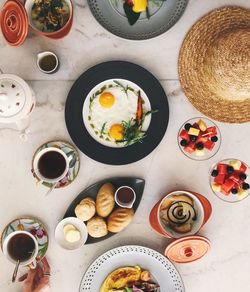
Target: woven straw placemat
[(214, 65)]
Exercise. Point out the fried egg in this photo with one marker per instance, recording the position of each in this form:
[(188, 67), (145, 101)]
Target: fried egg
[(108, 106)]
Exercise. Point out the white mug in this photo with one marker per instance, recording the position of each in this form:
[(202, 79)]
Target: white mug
[(38, 173), (32, 260)]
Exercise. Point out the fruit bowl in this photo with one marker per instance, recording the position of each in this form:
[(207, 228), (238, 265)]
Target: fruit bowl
[(199, 139), (229, 180)]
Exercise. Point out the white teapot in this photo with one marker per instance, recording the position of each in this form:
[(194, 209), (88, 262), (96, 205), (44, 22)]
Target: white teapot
[(17, 101)]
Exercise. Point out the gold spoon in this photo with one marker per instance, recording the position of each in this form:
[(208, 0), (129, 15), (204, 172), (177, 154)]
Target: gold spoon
[(15, 271)]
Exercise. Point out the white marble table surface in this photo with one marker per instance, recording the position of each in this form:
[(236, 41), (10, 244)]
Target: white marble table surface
[(227, 265)]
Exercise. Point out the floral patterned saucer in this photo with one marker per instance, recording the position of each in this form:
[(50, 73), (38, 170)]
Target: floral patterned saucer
[(74, 162), (32, 225)]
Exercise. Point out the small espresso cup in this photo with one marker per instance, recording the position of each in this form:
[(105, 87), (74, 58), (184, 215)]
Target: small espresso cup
[(41, 173), (125, 197), (12, 243), (47, 62)]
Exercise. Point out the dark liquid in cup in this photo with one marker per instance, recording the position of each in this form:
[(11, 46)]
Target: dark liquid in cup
[(52, 164), (21, 247), (48, 63), (125, 195)]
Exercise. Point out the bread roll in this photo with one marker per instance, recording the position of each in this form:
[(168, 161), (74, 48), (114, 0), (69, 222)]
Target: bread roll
[(97, 227), (85, 210), (105, 200), (120, 219)]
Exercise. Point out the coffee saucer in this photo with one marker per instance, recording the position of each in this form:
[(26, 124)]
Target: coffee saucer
[(32, 225), (74, 162)]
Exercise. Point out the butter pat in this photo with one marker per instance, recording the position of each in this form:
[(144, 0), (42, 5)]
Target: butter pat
[(71, 233), (193, 131)]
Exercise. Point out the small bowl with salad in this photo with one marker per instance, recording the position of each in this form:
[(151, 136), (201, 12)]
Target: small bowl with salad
[(51, 18)]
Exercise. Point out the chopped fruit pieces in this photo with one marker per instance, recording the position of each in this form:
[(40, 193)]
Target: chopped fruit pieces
[(245, 186), (187, 126), (184, 142), (220, 178), (200, 152), (214, 139), (227, 179), (214, 173), (222, 168), (216, 187), (184, 135), (235, 164), (202, 125), (241, 194), (227, 186), (230, 169), (197, 132), (199, 146), (193, 131), (140, 5), (209, 145)]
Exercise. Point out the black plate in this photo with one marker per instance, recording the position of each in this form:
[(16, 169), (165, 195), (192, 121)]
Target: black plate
[(136, 183), (112, 70)]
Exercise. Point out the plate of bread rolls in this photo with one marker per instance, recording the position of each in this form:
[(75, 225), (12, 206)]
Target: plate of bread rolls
[(97, 208)]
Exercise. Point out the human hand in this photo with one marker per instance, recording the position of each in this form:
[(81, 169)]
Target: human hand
[(38, 279)]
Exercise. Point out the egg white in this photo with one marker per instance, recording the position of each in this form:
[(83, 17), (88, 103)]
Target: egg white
[(95, 116)]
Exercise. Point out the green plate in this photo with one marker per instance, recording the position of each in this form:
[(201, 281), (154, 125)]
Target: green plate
[(163, 15)]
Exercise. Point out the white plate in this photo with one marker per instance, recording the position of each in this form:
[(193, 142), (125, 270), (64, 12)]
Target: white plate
[(86, 112), (163, 270), (59, 234)]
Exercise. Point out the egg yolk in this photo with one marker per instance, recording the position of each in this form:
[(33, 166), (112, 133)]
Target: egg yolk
[(106, 99), (116, 132)]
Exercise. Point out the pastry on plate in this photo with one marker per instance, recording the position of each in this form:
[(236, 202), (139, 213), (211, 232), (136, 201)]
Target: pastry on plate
[(97, 227), (105, 200), (86, 209), (120, 219)]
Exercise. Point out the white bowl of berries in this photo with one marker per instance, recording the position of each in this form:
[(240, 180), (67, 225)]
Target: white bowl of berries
[(199, 138), (230, 181)]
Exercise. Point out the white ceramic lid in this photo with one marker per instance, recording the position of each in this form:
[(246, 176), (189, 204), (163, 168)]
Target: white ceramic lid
[(16, 98)]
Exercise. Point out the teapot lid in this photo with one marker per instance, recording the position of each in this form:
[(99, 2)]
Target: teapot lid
[(187, 249), (14, 22), (16, 98)]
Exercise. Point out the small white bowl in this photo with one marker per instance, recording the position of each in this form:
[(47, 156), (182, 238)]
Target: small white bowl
[(59, 234)]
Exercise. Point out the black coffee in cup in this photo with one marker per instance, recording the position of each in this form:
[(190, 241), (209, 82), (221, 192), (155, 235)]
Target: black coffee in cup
[(21, 247), (52, 164)]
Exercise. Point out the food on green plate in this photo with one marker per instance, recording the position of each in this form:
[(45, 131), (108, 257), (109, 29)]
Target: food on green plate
[(198, 138), (71, 233), (129, 279), (134, 8), (178, 213), (230, 179), (50, 15), (117, 114)]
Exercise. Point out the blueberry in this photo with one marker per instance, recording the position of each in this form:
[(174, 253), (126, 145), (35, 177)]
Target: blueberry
[(243, 176), (193, 138), (215, 172), (187, 126), (214, 139), (184, 142), (199, 146), (245, 186), (234, 191), (230, 169)]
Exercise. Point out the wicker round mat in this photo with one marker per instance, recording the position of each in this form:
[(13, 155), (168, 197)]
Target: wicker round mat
[(214, 65)]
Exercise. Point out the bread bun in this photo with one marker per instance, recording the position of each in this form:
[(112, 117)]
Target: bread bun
[(105, 200), (97, 227), (120, 219), (85, 210)]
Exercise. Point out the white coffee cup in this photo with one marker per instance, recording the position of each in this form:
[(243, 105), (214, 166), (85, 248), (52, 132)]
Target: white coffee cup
[(29, 262), (40, 175)]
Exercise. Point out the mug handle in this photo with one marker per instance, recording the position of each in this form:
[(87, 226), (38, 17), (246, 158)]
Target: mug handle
[(33, 265)]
